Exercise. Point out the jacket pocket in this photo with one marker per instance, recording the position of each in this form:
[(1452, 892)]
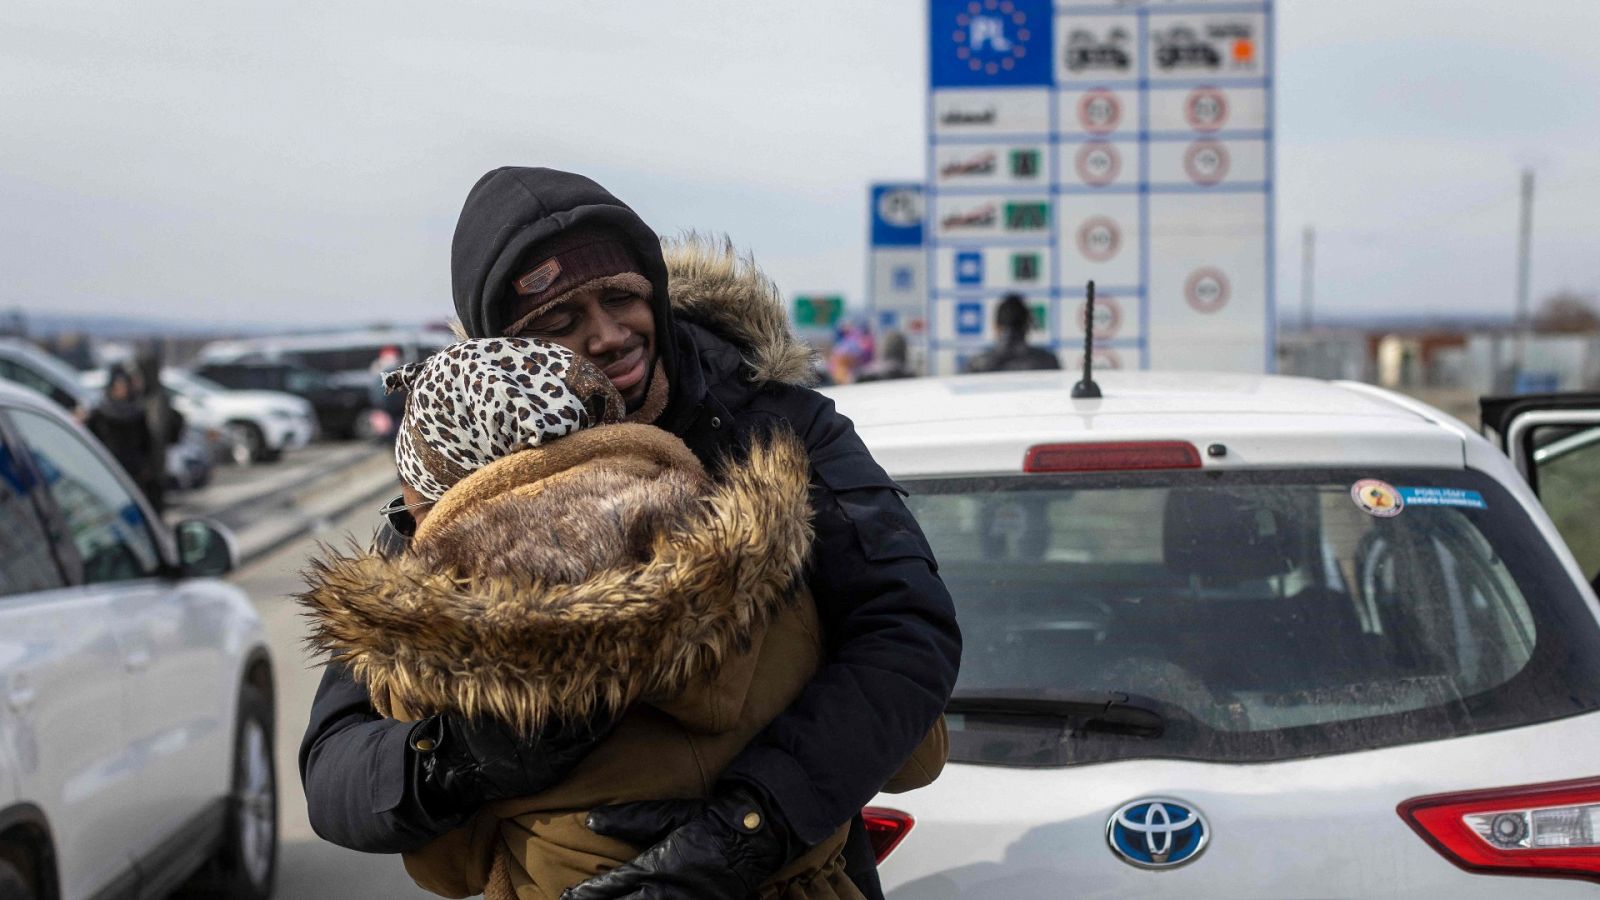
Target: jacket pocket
[(873, 504)]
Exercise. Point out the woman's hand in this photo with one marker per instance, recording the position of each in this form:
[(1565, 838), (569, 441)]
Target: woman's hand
[(466, 763), (717, 849)]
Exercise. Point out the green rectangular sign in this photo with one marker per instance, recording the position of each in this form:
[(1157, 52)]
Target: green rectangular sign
[(818, 310)]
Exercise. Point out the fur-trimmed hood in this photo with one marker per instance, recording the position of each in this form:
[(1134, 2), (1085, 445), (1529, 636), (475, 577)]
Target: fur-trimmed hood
[(427, 635), (723, 291)]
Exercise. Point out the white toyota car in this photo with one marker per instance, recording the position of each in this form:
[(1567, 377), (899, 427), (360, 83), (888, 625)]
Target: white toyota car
[(136, 705), (1247, 637)]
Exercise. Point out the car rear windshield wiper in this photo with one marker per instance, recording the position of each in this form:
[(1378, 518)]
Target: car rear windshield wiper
[(1107, 711)]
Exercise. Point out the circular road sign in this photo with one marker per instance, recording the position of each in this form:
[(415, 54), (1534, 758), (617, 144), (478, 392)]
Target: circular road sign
[(1099, 239), (1098, 163), (1104, 359), (901, 207), (1206, 162), (1099, 112), (1207, 290), (1107, 316), (1207, 109)]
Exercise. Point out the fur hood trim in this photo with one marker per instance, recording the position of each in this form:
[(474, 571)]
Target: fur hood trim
[(523, 652), (714, 286)]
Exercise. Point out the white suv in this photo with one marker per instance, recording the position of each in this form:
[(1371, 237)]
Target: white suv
[(136, 706), (1243, 637), (263, 425)]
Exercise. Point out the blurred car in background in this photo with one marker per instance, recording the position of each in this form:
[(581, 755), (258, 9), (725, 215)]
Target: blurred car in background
[(136, 704), (343, 411), (190, 461), (254, 426), (349, 360), (23, 363), (264, 424), (1235, 636)]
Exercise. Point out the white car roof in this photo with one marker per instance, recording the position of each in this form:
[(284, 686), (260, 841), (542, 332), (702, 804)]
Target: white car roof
[(968, 424)]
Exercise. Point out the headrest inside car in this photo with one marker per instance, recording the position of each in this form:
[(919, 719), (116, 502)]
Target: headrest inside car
[(1211, 533)]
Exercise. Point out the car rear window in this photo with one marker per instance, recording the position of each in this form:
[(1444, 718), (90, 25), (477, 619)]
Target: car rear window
[(1265, 615)]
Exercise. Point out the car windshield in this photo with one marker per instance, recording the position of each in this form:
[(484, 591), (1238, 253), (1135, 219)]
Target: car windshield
[(1266, 615)]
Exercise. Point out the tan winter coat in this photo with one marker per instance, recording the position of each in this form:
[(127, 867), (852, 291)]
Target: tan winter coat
[(700, 627)]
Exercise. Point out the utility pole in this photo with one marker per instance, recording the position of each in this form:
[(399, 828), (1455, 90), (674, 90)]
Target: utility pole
[(1308, 268), (1524, 242)]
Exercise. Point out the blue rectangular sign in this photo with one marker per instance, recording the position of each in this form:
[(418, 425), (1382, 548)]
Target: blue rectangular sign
[(897, 215), (969, 318), (990, 43), (969, 267), (1433, 496)]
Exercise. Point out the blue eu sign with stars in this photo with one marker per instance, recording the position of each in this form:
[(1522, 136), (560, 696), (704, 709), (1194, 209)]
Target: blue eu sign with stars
[(984, 43), (969, 318), (969, 267)]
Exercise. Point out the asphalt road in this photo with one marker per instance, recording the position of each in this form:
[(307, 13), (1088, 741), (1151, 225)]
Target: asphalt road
[(308, 867)]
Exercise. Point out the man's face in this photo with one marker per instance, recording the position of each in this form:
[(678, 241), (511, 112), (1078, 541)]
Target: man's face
[(611, 328)]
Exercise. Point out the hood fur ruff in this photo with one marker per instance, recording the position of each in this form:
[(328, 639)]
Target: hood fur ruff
[(712, 285), (524, 651)]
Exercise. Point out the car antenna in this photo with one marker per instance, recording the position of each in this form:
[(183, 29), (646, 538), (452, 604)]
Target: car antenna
[(1087, 389)]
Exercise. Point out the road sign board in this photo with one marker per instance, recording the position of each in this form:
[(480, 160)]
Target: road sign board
[(1127, 141), (969, 318), (818, 310), (969, 267)]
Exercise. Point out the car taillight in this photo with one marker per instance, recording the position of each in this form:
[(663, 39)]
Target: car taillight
[(886, 828), (1539, 829), (1119, 456)]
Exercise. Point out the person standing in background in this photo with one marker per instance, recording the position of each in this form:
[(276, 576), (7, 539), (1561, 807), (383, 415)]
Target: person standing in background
[(891, 361), (164, 423), (1012, 353), (118, 420)]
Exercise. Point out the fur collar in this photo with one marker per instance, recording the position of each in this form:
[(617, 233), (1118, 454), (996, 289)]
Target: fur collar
[(524, 649), (714, 286)]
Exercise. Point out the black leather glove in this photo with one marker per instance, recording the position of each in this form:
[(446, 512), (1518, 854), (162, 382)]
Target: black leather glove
[(464, 764), (721, 849)]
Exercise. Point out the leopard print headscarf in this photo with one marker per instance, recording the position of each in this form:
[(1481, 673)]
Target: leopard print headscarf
[(479, 400)]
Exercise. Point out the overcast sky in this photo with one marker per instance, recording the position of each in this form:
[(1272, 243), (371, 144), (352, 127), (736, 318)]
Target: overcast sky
[(304, 163)]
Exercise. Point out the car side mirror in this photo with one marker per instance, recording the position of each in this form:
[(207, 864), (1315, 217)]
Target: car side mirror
[(205, 549)]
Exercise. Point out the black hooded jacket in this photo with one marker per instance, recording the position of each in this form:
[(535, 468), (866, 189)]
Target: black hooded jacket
[(893, 644)]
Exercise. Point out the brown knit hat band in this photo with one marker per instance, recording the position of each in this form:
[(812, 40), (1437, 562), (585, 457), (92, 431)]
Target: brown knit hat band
[(632, 282), (564, 263)]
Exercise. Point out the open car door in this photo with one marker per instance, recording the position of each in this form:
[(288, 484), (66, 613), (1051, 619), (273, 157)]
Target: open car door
[(1554, 441)]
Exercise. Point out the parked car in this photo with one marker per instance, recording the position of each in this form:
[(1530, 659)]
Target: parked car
[(1232, 636), (264, 424), (25, 364), (137, 722), (190, 461), (348, 359), (343, 411)]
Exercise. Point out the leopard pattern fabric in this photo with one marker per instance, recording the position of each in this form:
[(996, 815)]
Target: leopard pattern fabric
[(479, 400)]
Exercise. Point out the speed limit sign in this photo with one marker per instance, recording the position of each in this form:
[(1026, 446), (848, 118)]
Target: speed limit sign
[(1107, 317), (1099, 239), (1206, 162), (1099, 112), (1098, 163), (1207, 289), (1206, 109)]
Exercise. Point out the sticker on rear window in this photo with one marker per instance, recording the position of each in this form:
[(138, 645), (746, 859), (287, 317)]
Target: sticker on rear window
[(1378, 498), (1436, 496)]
